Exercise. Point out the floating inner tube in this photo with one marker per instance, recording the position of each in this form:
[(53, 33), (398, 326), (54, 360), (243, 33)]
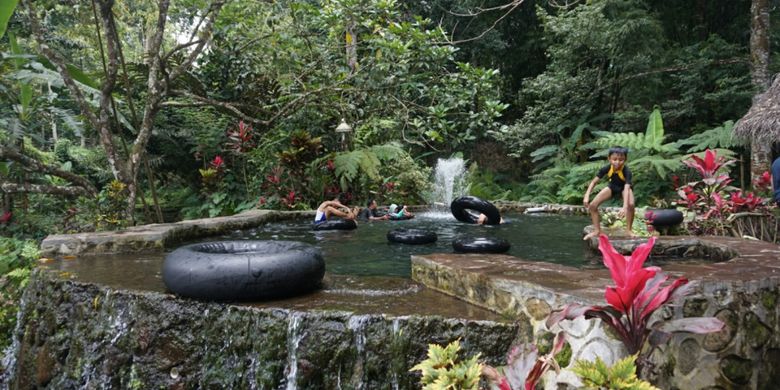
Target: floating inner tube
[(243, 270), (412, 236), (336, 224), (401, 218), (462, 210), (666, 217), (480, 245)]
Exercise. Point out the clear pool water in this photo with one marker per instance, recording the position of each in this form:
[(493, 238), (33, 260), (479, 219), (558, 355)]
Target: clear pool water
[(366, 250), (366, 274)]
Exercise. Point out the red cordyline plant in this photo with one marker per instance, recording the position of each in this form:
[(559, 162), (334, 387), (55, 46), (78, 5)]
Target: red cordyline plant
[(638, 292), (524, 368), (240, 139), (763, 183), (217, 163), (709, 166), (748, 202)]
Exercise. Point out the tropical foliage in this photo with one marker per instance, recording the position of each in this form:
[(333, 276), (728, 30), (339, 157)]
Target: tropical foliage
[(638, 292), (16, 260), (524, 368), (712, 200), (444, 369), (620, 376)]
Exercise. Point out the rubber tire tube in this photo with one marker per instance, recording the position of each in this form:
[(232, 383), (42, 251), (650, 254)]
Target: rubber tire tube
[(412, 236), (480, 245), (404, 218), (666, 217), (243, 270), (460, 210), (336, 224)]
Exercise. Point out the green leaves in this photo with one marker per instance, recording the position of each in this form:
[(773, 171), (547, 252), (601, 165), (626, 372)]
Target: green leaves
[(349, 165), (715, 138), (621, 376), (655, 128), (443, 370), (7, 8)]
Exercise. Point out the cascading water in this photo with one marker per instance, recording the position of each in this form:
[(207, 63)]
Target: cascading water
[(294, 336), (449, 181), (357, 324)]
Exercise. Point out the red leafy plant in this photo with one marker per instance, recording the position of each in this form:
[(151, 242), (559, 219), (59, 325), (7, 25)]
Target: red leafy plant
[(524, 368), (746, 202), (763, 183), (638, 292), (709, 166), (712, 199), (240, 140)]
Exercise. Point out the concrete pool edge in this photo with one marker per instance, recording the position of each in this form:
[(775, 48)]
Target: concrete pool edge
[(158, 237), (742, 291)]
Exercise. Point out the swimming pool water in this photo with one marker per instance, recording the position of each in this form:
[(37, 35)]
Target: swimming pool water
[(366, 250)]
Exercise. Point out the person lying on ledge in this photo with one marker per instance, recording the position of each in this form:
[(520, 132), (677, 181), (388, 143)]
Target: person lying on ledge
[(333, 207), (371, 213)]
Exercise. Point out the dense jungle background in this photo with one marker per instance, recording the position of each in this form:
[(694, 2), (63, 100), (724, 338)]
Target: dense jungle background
[(143, 111)]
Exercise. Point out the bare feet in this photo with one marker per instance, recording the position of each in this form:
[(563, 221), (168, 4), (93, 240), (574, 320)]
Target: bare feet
[(631, 234), (591, 235)]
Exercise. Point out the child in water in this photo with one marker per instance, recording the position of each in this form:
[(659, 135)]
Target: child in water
[(399, 212), (619, 187)]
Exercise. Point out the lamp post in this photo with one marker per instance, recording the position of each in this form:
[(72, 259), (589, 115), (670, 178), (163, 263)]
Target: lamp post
[(343, 128)]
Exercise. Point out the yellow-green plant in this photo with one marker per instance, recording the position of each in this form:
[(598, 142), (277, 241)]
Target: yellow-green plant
[(622, 375), (443, 369)]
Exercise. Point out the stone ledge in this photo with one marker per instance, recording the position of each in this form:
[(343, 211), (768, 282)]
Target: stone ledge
[(743, 291), (156, 237)]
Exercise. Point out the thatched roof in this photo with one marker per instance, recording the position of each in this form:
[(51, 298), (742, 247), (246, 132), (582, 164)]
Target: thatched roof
[(762, 121)]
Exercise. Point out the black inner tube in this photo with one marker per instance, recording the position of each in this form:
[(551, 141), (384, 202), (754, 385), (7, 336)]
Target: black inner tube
[(666, 217), (336, 224), (480, 245), (243, 270), (412, 236), (461, 210)]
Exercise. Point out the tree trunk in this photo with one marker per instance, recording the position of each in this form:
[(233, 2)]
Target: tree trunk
[(760, 157)]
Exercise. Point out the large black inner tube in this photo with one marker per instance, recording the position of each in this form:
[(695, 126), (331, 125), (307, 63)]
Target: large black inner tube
[(480, 245), (336, 224), (666, 217), (243, 270), (412, 236), (460, 208)]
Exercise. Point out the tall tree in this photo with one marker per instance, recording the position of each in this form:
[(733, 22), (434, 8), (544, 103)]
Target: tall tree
[(759, 70), (164, 68)]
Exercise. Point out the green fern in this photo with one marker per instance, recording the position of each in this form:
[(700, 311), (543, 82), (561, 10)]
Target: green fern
[(350, 165), (719, 137), (622, 375)]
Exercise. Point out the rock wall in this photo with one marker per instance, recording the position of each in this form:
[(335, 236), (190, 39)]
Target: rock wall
[(740, 285), (74, 335)]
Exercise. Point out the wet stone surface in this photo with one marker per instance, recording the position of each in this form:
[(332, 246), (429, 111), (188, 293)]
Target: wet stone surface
[(75, 335), (737, 281)]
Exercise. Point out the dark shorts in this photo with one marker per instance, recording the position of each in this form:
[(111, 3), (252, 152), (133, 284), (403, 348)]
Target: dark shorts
[(617, 192)]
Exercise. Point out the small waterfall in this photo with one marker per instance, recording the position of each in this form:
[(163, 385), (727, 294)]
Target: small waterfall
[(294, 337), (396, 333), (357, 324), (449, 182), (9, 354)]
